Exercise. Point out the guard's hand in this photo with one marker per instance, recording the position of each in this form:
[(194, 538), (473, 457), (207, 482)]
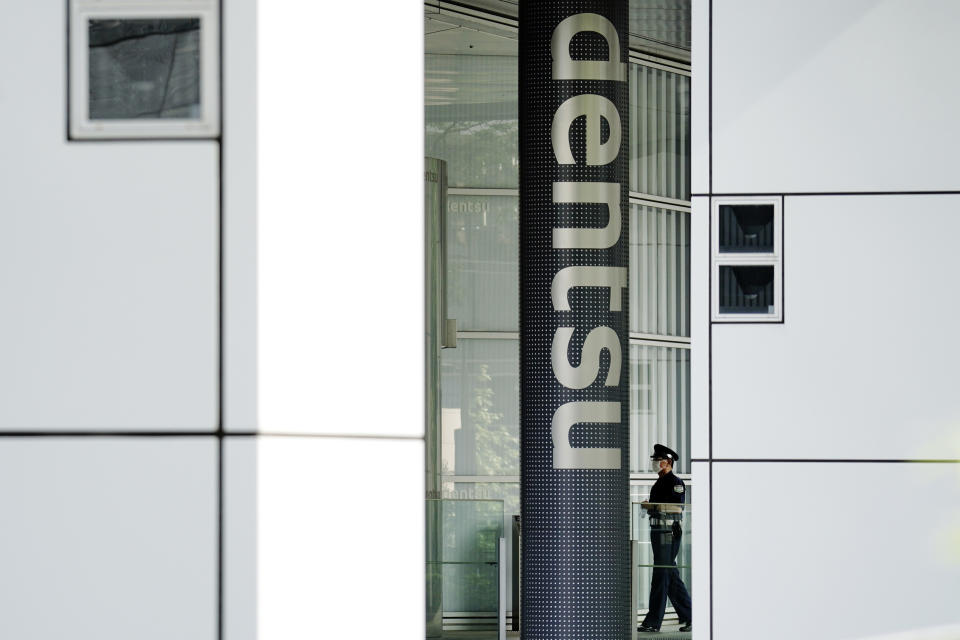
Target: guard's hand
[(677, 530)]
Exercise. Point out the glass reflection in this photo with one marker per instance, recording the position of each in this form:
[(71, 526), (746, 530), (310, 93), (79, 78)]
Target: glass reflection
[(746, 289), (464, 570), (666, 21), (483, 262), (746, 228), (659, 404), (652, 541), (659, 132), (480, 421), (144, 68), (659, 271), (471, 117)]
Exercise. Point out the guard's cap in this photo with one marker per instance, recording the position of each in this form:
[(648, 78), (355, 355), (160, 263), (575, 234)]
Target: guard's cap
[(661, 452)]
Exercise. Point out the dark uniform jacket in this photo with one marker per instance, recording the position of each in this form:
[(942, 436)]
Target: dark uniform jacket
[(667, 488)]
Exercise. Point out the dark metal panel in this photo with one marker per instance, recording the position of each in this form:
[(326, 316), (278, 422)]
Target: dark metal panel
[(573, 320)]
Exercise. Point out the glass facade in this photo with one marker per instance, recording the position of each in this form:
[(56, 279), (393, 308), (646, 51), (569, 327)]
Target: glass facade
[(480, 408), (482, 261), (659, 271), (646, 563), (659, 404), (659, 132), (471, 122), (470, 115), (465, 561)]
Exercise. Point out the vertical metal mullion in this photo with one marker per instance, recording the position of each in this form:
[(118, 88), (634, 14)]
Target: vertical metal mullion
[(634, 148), (651, 266), (651, 132), (661, 269), (646, 387), (502, 589), (643, 143), (639, 271), (671, 359), (684, 122), (671, 115), (632, 413), (671, 276), (663, 411), (683, 277), (633, 259), (662, 132), (684, 399)]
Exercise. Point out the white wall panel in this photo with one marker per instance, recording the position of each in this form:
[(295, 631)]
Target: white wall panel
[(700, 97), (108, 538), (700, 328), (240, 215), (700, 550), (341, 531), (834, 96), (832, 550), (865, 364), (340, 235), (240, 538), (108, 258)]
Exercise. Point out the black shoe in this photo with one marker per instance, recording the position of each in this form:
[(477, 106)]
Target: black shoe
[(686, 626), (645, 629)]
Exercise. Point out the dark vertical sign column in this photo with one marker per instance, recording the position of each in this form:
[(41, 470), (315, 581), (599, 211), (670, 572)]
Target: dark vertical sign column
[(574, 238)]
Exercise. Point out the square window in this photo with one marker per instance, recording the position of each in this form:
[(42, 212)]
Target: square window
[(144, 70), (746, 228), (747, 270), (746, 289)]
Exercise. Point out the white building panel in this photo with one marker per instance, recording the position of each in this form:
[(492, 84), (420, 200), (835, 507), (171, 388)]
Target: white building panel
[(700, 328), (825, 96), (834, 550), (108, 538), (700, 549), (864, 365), (240, 539), (108, 259), (700, 97), (340, 539), (240, 215)]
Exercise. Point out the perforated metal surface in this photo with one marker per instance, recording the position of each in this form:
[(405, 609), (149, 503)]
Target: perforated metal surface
[(576, 577)]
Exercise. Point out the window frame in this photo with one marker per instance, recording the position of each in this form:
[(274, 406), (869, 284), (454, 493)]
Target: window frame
[(738, 259), (81, 127)]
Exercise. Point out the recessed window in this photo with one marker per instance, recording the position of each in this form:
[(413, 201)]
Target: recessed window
[(746, 228), (144, 69), (746, 289), (747, 260)]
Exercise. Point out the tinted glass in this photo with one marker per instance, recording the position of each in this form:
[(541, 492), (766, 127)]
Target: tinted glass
[(659, 132), (664, 21), (746, 228), (746, 289), (659, 271), (659, 404), (471, 117), (480, 414), (483, 262), (144, 68)]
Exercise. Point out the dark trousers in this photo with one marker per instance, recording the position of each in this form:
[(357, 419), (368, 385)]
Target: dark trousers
[(666, 581)]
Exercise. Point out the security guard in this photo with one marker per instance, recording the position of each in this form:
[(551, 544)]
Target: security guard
[(665, 509)]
